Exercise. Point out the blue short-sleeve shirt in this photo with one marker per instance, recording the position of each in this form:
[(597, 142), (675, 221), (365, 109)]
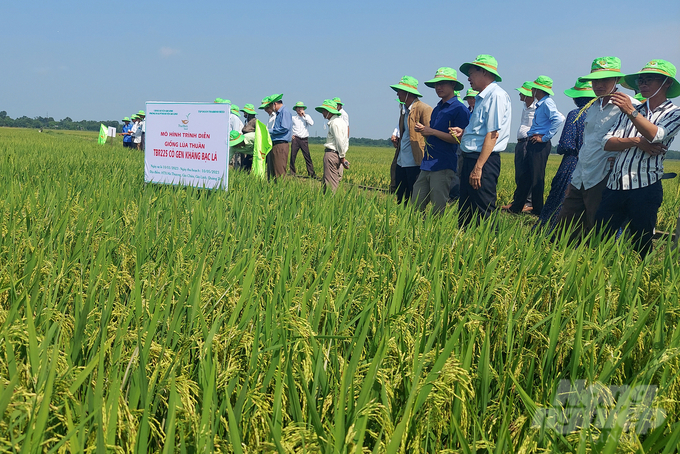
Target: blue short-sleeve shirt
[(441, 155)]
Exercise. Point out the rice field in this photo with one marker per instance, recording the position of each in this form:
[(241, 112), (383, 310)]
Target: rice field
[(275, 318)]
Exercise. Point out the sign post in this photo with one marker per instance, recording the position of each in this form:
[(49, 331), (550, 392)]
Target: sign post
[(187, 144)]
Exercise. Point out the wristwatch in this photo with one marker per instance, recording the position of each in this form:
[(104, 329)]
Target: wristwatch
[(633, 114)]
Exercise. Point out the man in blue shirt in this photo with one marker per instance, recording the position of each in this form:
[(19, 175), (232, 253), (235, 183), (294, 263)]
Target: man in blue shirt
[(439, 163), (127, 137), (482, 141), (281, 134), (547, 120)]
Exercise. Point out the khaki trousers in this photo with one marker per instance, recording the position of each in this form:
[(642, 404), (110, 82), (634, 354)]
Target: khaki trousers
[(580, 207), (277, 160), (433, 187), (332, 170)]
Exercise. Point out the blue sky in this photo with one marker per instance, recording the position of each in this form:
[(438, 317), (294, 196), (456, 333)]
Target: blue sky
[(101, 60)]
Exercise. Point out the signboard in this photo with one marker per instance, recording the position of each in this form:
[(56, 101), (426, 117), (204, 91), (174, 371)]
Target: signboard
[(112, 132), (187, 144)]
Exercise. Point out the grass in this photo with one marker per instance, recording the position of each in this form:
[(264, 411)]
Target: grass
[(142, 318)]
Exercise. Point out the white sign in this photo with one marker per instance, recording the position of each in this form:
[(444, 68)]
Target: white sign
[(112, 132), (187, 144)]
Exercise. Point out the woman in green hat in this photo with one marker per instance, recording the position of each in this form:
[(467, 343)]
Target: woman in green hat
[(569, 145), (642, 136)]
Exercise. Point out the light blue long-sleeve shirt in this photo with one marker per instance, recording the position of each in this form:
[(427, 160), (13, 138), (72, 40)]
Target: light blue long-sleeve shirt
[(283, 125), (547, 119)]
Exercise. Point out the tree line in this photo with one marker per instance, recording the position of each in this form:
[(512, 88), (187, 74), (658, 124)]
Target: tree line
[(50, 123)]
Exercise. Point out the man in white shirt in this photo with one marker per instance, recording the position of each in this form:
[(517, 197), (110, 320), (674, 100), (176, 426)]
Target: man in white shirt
[(337, 143), (235, 123), (269, 109), (343, 113), (301, 123), (527, 119), (594, 164)]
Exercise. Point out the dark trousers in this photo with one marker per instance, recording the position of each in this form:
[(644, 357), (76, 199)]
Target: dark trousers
[(301, 144), (478, 202), (640, 206), (277, 159), (405, 177), (520, 154), (580, 207), (532, 178)]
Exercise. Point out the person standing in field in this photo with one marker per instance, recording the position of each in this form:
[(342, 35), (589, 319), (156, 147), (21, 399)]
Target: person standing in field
[(470, 98), (268, 107), (438, 167), (127, 137), (454, 192), (235, 123), (410, 147), (482, 140), (337, 143), (136, 132), (641, 136), (142, 119), (301, 123), (249, 128), (594, 163), (281, 134), (547, 120), (569, 145), (343, 113)]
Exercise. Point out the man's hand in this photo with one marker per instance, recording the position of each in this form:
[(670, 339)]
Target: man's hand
[(424, 130), (652, 149), (456, 132), (394, 141), (622, 101), (476, 178), (536, 138)]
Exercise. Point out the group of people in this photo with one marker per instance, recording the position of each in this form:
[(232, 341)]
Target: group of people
[(134, 131), (289, 133), (613, 146)]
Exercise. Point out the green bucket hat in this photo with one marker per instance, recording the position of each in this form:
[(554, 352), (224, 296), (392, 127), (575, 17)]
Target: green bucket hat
[(445, 74), (234, 109), (265, 102), (544, 83), (329, 105), (408, 84), (141, 114), (249, 109), (337, 101), (657, 66), (603, 68), (483, 61), (470, 93), (235, 138), (276, 97), (218, 101), (581, 89), (299, 104), (134, 117), (126, 119), (525, 89)]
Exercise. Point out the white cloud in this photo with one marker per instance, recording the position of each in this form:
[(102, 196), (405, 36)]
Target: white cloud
[(168, 51)]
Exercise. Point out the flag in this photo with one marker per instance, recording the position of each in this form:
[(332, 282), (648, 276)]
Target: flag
[(103, 132), (261, 147)]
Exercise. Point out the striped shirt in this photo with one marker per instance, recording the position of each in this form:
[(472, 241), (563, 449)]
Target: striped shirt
[(633, 168)]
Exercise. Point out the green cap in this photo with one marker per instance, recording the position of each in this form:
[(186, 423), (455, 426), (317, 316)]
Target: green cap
[(445, 74), (544, 83), (337, 101), (408, 84), (483, 61), (525, 89), (603, 68), (141, 114), (299, 104), (234, 109), (581, 89), (661, 67), (249, 109), (329, 105), (275, 97), (470, 93), (265, 102), (235, 138), (126, 119)]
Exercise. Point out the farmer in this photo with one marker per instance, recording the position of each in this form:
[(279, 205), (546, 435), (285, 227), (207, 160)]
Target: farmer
[(482, 140), (127, 127), (343, 113), (547, 120), (641, 135), (337, 143), (438, 167), (594, 164), (301, 123), (281, 134), (411, 144), (470, 98)]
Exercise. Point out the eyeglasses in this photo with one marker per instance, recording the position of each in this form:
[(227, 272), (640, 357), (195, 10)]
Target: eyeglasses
[(646, 80)]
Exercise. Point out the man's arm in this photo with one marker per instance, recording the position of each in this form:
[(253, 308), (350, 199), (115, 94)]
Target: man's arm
[(487, 148), (645, 127)]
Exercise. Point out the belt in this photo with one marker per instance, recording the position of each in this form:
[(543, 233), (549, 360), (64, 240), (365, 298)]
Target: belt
[(521, 140), (328, 150), (277, 142)]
